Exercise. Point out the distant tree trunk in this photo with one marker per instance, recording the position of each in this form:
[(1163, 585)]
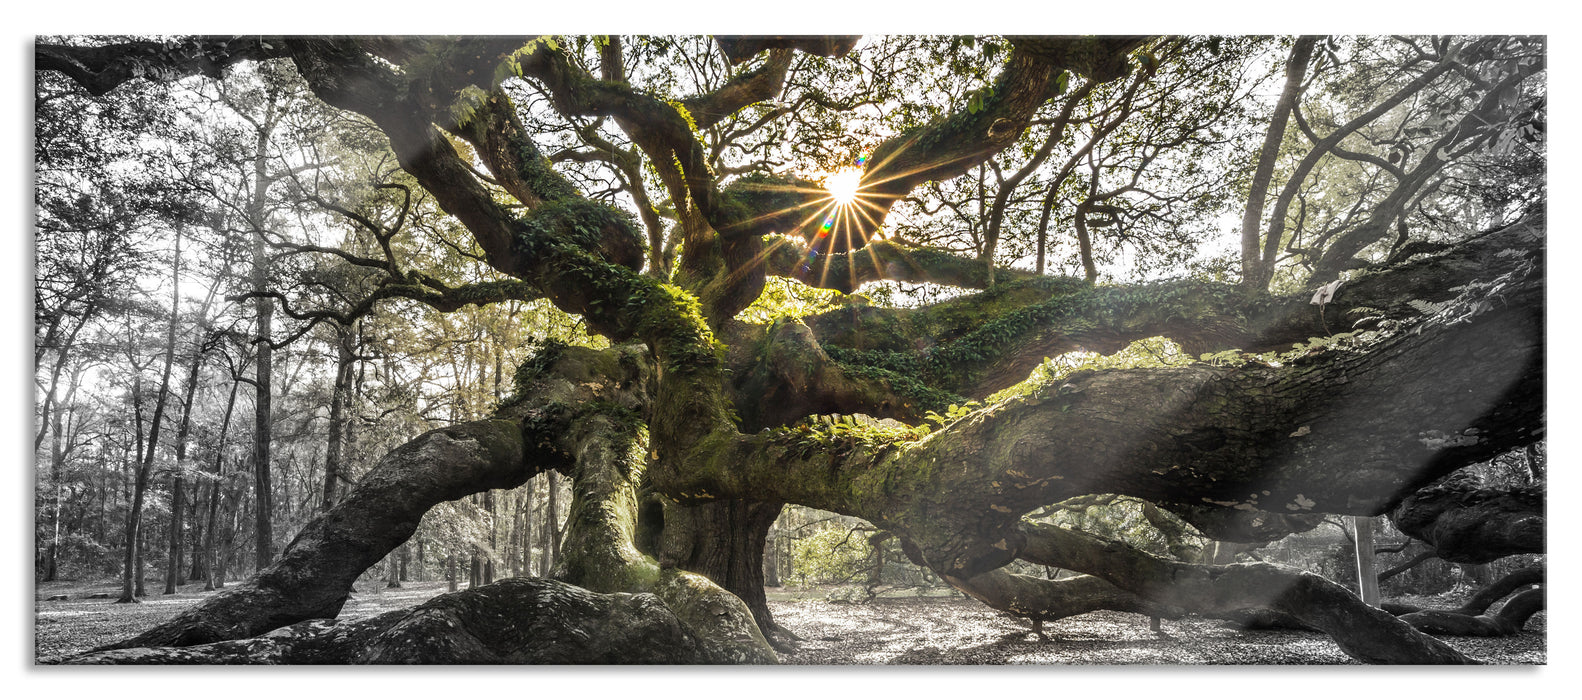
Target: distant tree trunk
[(393, 576), (422, 561), (527, 526), (488, 562), (142, 560), (130, 589), (1367, 579), (178, 485), (263, 538), (339, 397), (876, 575), (514, 539), (198, 561), (772, 558), (57, 461), (215, 574), (1090, 270), (450, 571), (1255, 271), (1043, 226), (551, 529)]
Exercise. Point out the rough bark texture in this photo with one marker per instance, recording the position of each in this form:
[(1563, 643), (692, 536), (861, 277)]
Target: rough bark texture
[(724, 542), (600, 552), (1509, 620), (1365, 633), (1473, 619), (515, 621), (1467, 523)]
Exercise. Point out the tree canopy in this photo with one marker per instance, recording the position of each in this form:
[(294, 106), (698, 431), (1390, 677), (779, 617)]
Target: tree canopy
[(939, 283)]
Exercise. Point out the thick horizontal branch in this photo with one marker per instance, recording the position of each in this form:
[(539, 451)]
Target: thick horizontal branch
[(1343, 431), (757, 85), (792, 378), (978, 344), (100, 69), (1511, 618), (740, 49)]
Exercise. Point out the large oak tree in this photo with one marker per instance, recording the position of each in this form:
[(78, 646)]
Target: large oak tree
[(685, 438)]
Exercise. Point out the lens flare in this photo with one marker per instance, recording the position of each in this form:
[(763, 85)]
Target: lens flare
[(843, 185)]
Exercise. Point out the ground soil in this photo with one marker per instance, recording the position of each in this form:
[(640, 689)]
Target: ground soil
[(909, 629)]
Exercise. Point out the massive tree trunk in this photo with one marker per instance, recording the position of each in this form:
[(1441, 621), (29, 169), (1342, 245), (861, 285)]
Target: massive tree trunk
[(725, 542)]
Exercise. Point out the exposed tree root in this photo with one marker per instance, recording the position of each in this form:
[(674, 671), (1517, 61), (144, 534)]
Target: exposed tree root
[(514, 621), (1472, 618), (1509, 620), (1363, 632)]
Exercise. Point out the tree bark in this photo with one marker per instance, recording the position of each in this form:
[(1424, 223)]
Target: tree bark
[(264, 306), (178, 489), (1468, 523), (517, 621), (1508, 621), (1363, 632), (725, 542)]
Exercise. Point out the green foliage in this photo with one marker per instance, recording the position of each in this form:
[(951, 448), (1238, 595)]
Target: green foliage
[(831, 556), (785, 298), (953, 413), (1298, 351), (511, 65), (845, 433), (580, 222), (681, 109), (916, 393), (1149, 352)]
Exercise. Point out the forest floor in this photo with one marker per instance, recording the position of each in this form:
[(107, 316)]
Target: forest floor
[(908, 629)]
